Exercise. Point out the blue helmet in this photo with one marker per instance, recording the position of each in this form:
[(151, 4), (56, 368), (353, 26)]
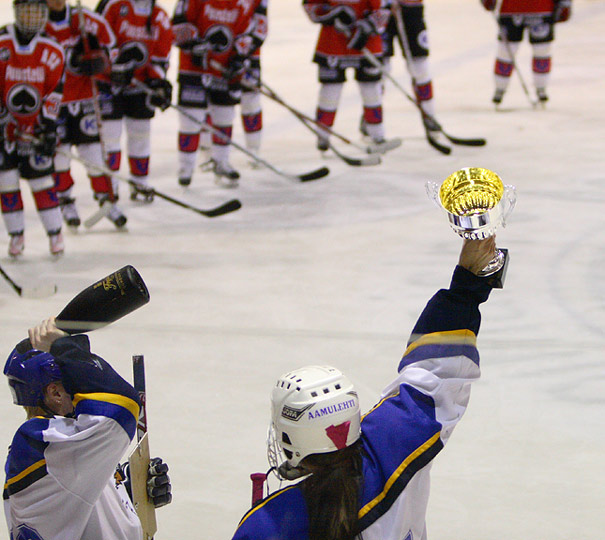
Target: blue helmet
[(29, 374)]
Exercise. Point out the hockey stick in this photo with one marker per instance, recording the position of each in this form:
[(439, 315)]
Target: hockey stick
[(140, 457), (425, 116), (306, 177), (41, 291), (375, 148), (504, 38), (309, 124), (225, 208)]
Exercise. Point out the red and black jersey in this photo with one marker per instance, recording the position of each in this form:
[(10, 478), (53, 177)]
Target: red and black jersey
[(147, 32), (242, 25), (67, 32), (30, 78), (332, 42), (527, 7)]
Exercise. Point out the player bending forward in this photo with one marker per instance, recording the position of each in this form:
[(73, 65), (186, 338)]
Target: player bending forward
[(81, 417), (369, 478)]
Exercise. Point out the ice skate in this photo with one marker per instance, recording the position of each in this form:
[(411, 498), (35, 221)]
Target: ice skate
[(69, 212), (56, 244), (16, 245), (185, 176), (498, 95), (363, 129), (253, 163), (140, 190), (116, 216), (542, 96), (323, 144), (224, 174)]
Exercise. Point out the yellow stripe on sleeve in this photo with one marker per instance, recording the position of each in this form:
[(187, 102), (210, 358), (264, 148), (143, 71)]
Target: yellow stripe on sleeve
[(398, 472), (453, 337), (25, 472), (127, 403)]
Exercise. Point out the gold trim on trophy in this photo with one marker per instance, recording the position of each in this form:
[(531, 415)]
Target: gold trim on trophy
[(471, 191)]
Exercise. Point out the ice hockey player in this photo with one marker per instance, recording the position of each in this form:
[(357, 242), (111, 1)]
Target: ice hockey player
[(369, 478), (63, 478), (138, 82), (251, 111), (31, 66), (414, 44), (86, 38), (539, 18), (347, 27), (217, 40)]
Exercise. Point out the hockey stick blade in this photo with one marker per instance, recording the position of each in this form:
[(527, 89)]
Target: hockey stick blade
[(102, 212), (226, 208), (313, 175), (384, 147), (465, 142), (437, 145), (356, 162)]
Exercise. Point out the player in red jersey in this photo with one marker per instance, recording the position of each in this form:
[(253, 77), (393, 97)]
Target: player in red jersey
[(86, 38), (413, 40), (31, 66), (217, 39), (347, 27), (539, 18), (139, 64)]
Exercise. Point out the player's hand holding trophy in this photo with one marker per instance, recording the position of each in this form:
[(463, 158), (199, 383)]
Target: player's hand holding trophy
[(477, 202)]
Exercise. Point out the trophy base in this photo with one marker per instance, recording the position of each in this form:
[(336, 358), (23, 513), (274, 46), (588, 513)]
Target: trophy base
[(495, 271)]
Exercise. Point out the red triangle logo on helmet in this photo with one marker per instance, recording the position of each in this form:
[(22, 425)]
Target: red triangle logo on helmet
[(338, 434)]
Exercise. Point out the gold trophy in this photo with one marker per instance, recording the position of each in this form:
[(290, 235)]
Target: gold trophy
[(477, 203)]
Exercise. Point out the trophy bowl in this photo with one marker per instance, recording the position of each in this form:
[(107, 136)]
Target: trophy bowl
[(476, 202)]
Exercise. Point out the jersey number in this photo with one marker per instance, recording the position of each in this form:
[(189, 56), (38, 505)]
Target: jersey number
[(51, 59)]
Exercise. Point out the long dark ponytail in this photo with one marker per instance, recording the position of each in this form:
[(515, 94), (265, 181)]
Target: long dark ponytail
[(332, 493)]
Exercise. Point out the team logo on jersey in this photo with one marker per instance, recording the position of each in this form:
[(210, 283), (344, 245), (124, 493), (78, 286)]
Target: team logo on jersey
[(40, 163), (220, 38), (88, 125), (5, 54), (24, 532), (23, 99)]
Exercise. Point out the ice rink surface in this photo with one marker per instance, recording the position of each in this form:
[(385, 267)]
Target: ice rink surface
[(336, 272)]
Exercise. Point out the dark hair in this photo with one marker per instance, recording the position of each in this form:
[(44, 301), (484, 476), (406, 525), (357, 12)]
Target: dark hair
[(332, 493)]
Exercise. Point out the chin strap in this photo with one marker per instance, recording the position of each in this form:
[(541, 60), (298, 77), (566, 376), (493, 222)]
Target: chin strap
[(288, 472)]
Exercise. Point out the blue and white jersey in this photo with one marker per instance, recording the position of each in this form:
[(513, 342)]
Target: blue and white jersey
[(404, 432), (60, 471)]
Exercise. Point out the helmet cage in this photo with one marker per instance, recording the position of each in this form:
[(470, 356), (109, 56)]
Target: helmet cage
[(315, 410), (30, 16)]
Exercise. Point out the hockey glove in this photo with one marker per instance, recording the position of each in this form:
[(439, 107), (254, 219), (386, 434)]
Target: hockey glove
[(130, 57), (490, 5), (162, 92), (236, 67), (89, 63), (362, 30), (159, 487), (46, 138), (562, 11), (199, 54), (343, 15)]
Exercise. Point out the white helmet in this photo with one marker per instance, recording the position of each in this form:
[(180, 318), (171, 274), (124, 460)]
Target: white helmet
[(314, 410)]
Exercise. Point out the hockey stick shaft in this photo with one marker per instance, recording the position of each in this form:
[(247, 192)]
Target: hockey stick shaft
[(314, 127), (504, 39), (18, 289), (139, 460), (313, 175)]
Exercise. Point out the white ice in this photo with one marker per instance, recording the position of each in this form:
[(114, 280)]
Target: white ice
[(336, 271)]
